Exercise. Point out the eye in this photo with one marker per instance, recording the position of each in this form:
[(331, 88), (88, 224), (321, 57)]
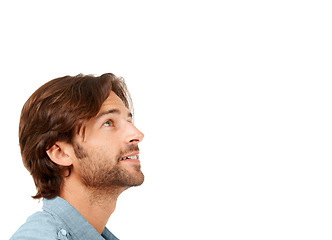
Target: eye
[(109, 123), (130, 120)]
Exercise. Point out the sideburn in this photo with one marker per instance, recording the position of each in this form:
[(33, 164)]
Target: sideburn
[(79, 151)]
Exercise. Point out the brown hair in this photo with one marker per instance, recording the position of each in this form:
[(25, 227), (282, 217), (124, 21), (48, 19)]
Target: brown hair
[(58, 111)]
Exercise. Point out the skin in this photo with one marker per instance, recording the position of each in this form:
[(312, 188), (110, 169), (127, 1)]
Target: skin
[(98, 176)]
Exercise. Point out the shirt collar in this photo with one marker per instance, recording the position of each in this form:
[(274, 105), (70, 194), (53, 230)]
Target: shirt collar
[(77, 225)]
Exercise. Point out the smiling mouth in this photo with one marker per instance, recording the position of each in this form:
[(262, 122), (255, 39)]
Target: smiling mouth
[(131, 158)]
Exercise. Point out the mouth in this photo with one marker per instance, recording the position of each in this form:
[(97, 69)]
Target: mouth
[(133, 157)]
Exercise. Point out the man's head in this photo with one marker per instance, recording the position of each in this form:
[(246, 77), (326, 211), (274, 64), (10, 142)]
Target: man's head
[(80, 126)]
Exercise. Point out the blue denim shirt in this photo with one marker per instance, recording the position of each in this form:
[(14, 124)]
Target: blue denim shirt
[(59, 221)]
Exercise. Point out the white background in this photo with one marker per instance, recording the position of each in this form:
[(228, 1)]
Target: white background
[(234, 99)]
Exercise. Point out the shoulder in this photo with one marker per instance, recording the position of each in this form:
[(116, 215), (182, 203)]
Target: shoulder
[(39, 226)]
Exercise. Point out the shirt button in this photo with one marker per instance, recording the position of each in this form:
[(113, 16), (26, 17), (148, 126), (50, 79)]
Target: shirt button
[(63, 232)]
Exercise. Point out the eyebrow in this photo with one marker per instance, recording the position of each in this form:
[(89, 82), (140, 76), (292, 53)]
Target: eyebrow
[(112, 111)]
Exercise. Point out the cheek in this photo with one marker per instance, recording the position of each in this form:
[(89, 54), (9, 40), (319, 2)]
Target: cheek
[(105, 146), (106, 154)]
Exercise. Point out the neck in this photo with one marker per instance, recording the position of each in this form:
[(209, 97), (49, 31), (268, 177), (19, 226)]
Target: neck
[(96, 207)]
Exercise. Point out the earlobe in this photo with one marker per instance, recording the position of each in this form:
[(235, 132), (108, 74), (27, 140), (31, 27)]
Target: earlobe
[(58, 154)]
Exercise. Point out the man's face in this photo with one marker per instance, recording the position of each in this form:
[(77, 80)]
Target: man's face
[(107, 155)]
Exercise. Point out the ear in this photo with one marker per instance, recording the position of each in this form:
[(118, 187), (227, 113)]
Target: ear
[(59, 154)]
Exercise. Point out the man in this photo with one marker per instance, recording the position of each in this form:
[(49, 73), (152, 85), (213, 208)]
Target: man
[(79, 143)]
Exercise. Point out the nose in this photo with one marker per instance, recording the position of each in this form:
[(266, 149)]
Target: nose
[(134, 135)]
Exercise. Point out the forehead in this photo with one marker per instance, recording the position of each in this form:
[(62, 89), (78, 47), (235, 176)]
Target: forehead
[(113, 101)]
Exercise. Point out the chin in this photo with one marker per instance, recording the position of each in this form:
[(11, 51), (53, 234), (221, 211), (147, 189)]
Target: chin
[(138, 180)]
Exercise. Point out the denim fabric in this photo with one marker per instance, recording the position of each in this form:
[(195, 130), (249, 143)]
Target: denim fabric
[(59, 221)]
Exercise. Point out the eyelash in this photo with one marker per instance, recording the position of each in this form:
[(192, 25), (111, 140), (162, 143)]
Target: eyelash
[(109, 122)]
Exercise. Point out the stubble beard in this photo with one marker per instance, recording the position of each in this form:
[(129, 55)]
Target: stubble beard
[(101, 174)]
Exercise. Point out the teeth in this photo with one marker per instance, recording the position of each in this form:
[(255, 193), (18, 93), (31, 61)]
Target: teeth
[(131, 157)]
